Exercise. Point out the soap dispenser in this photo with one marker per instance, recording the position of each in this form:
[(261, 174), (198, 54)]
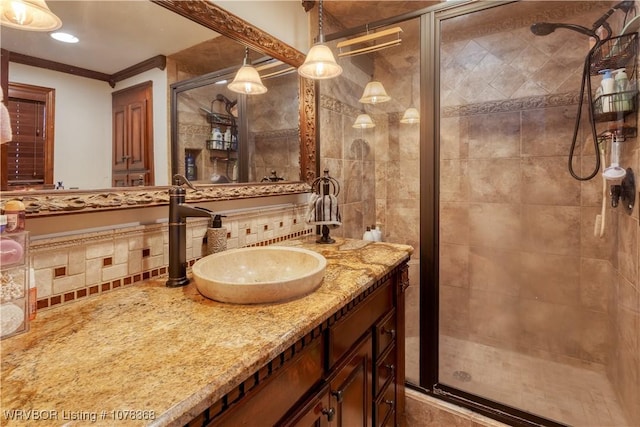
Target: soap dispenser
[(608, 86), (368, 235), (216, 236)]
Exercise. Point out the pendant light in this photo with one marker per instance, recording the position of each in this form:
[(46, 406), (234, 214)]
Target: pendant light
[(374, 93), (410, 116), (247, 79), (320, 63), (363, 121), (30, 15)]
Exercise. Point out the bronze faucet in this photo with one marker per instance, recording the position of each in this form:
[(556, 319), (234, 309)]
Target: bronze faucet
[(178, 214)]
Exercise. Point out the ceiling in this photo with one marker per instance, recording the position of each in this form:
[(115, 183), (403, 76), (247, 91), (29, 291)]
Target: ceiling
[(354, 13), (112, 35)]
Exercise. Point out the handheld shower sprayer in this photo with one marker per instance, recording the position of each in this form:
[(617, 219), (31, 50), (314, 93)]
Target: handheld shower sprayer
[(546, 28)]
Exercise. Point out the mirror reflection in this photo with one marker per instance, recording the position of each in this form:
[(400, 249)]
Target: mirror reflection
[(87, 139), (223, 136)]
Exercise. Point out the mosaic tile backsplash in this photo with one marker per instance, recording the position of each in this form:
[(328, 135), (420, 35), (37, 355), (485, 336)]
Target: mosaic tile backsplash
[(79, 266)]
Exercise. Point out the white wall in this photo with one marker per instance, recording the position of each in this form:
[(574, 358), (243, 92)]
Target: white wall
[(283, 19), (82, 154), (83, 132)]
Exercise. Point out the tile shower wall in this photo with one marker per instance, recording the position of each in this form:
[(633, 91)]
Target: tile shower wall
[(520, 267), (79, 266)]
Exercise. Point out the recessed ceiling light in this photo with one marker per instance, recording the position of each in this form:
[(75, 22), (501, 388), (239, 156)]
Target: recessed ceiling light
[(65, 37), (221, 82)]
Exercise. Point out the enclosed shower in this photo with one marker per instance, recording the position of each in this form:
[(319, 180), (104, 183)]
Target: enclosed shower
[(517, 307)]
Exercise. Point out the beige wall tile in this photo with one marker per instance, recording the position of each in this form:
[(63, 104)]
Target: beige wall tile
[(551, 229), (68, 283), (454, 180), (495, 270), (495, 180), (592, 246), (551, 278), (100, 250), (50, 259), (494, 135), (597, 281), (114, 272), (454, 137), (454, 223), (454, 265), (495, 225), (545, 132), (628, 247), (77, 257), (44, 282), (455, 313), (545, 180)]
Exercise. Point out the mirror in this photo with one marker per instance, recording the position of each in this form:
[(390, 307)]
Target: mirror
[(217, 19)]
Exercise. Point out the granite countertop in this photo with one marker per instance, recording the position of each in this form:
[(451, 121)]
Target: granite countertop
[(162, 355)]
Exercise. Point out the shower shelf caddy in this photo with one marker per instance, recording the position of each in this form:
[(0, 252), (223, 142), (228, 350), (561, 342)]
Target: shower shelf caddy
[(613, 54)]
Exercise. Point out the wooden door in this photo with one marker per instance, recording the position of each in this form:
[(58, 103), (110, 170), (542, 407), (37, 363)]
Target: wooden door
[(133, 136)]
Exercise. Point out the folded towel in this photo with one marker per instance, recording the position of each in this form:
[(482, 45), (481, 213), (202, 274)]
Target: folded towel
[(5, 121), (324, 210)]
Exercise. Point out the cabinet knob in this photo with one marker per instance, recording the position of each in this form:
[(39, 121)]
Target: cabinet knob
[(330, 413), (338, 395), (389, 402), (391, 368)]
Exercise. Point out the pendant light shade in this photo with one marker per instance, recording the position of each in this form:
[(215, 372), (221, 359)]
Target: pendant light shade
[(247, 79), (363, 121), (374, 93), (410, 116), (320, 63), (30, 15)]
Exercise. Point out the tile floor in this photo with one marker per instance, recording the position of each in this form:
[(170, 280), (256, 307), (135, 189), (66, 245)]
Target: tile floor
[(567, 394)]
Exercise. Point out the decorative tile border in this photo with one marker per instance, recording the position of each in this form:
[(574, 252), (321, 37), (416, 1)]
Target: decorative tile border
[(510, 105)]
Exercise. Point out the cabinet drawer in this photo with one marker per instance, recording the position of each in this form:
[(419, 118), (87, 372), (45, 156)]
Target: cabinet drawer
[(385, 369), (354, 324), (385, 333), (385, 407)]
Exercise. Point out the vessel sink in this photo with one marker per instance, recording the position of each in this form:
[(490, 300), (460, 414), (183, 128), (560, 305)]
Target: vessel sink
[(259, 275)]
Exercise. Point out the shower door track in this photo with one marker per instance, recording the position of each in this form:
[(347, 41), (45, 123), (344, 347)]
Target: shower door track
[(492, 409)]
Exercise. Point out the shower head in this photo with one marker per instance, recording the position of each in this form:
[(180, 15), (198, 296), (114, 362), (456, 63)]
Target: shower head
[(546, 28)]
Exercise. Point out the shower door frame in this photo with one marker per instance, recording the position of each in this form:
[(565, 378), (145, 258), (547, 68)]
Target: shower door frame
[(430, 27)]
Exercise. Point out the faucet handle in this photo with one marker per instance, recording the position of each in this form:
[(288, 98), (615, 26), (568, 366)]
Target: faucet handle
[(181, 180)]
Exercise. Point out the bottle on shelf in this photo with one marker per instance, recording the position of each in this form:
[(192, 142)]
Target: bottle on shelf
[(623, 99), (608, 86), (191, 171), (227, 139)]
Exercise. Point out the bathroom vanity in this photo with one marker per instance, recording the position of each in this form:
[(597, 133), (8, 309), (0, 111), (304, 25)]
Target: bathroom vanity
[(152, 355)]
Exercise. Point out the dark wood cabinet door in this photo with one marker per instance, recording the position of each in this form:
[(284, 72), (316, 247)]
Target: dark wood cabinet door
[(132, 136), (351, 388)]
